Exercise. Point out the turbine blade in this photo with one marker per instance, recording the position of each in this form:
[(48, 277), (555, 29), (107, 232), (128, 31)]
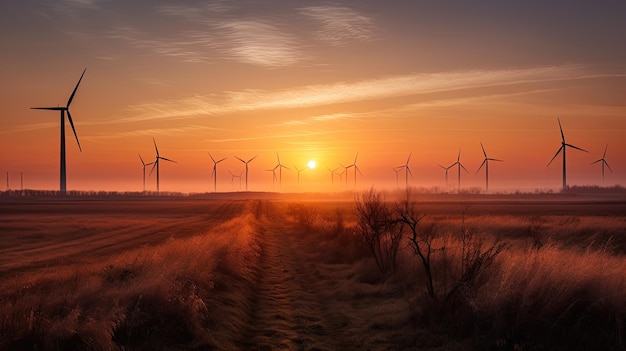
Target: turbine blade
[(607, 165), (576, 147), (481, 166), (442, 167), (76, 88), (356, 156), (458, 158), (285, 167), (278, 158), (465, 169), (211, 156), (495, 159), (167, 159), (561, 128), (600, 160), (48, 108), (69, 117), (240, 159), (482, 147), (604, 154), (155, 146), (409, 169), (409, 159), (154, 165), (357, 168), (221, 160), (143, 163), (250, 160), (555, 155)]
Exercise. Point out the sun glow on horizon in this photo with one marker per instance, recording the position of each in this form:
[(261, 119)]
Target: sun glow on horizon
[(311, 164)]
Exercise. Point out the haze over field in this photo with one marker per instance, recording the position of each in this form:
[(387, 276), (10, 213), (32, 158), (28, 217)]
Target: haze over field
[(313, 81)]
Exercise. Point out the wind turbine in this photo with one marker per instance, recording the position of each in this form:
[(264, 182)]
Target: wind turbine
[(563, 148), (69, 117), (300, 170), (280, 171), (397, 171), (460, 165), (345, 171), (486, 164), (356, 169), (603, 162), (232, 180), (446, 169), (407, 170), (156, 163), (214, 173), (144, 172), (246, 163), (273, 170)]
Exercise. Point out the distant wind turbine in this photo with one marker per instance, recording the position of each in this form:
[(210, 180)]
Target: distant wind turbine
[(563, 148), (232, 180), (460, 165), (144, 172), (246, 163), (299, 170), (69, 117), (280, 171), (397, 171), (156, 164), (214, 173), (446, 169), (486, 164), (273, 170), (356, 169), (603, 162), (407, 170)]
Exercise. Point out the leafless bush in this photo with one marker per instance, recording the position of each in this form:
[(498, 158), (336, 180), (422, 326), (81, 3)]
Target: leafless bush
[(307, 216), (377, 225)]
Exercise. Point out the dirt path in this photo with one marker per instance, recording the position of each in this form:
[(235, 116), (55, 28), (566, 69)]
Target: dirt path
[(287, 312)]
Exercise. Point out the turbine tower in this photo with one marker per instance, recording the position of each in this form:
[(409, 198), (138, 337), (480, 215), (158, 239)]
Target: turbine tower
[(246, 163), (63, 110), (144, 172), (563, 148), (156, 163), (397, 171), (214, 173), (603, 162), (486, 164), (460, 165), (407, 170)]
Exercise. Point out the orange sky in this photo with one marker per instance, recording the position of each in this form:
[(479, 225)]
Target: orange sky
[(321, 82)]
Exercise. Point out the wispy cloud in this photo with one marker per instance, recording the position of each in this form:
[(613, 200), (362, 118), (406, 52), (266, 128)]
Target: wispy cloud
[(258, 42), (340, 24), (344, 92), (149, 132)]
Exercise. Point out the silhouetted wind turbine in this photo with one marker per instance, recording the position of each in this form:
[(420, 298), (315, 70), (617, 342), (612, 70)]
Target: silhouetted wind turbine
[(214, 173), (69, 117), (144, 172), (273, 170), (486, 164), (356, 169), (232, 180), (156, 163), (299, 170), (407, 170), (603, 162), (446, 169), (460, 165), (397, 171), (280, 171), (563, 148), (246, 163)]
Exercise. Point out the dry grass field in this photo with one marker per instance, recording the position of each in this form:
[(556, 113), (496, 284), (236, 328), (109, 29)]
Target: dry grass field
[(203, 274)]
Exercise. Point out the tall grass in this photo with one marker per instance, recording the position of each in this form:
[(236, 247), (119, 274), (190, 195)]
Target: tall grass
[(159, 297)]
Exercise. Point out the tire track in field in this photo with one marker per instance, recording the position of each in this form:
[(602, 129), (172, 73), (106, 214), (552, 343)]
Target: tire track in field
[(95, 244), (286, 312)]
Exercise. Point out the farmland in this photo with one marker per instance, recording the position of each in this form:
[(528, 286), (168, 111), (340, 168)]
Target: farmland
[(200, 273)]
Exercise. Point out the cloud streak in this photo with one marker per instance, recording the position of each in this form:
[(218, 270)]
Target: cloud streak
[(346, 92), (340, 24)]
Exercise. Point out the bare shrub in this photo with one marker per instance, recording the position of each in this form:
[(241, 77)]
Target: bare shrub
[(305, 215), (377, 225)]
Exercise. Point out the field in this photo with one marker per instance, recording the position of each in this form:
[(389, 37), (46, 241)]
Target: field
[(285, 273)]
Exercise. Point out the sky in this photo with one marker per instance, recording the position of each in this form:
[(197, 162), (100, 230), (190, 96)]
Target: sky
[(312, 80)]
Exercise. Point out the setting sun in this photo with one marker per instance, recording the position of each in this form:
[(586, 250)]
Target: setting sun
[(311, 164)]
